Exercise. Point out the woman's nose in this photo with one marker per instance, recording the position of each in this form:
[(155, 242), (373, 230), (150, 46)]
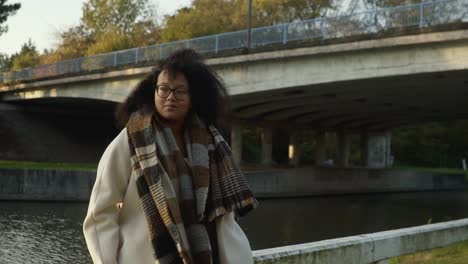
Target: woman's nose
[(171, 96)]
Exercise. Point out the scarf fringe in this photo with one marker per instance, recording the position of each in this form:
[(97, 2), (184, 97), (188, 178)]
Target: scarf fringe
[(240, 208)]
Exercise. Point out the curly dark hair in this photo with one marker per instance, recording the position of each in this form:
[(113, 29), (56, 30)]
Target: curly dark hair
[(208, 93)]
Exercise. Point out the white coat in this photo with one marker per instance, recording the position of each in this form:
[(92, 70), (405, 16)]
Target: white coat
[(120, 235)]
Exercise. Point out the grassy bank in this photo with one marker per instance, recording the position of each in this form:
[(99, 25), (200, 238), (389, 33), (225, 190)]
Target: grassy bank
[(453, 254), (13, 164), (83, 166)]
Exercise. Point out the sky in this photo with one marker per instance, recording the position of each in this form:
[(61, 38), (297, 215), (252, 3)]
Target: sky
[(40, 20)]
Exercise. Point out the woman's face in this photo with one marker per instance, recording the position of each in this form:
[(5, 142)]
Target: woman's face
[(172, 97)]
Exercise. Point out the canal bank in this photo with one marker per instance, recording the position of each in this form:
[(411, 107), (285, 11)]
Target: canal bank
[(76, 185)]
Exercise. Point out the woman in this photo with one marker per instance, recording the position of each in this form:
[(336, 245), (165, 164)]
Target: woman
[(172, 175)]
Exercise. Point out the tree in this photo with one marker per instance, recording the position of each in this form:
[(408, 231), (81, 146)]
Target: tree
[(362, 5), (206, 17), (113, 39), (5, 11), (107, 25), (270, 12), (5, 62), (100, 15), (110, 40), (391, 18), (73, 43), (438, 144), (27, 57), (388, 3), (118, 24)]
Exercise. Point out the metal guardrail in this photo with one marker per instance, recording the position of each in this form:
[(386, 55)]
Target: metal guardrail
[(421, 15), (376, 248)]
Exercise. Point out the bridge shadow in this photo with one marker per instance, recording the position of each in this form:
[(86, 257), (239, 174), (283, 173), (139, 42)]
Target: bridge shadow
[(56, 129)]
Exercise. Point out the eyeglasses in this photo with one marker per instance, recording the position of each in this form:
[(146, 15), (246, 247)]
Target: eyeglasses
[(164, 91)]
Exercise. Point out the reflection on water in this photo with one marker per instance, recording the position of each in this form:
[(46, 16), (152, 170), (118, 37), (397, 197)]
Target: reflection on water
[(282, 222), (42, 233), (51, 232)]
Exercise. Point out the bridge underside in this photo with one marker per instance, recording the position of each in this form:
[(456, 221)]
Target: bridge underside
[(372, 104), (367, 108), (30, 127)]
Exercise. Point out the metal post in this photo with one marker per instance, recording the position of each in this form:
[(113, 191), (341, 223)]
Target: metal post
[(136, 55), (324, 27), (370, 21), (285, 33), (267, 146), (57, 68), (80, 64), (249, 25), (115, 59), (160, 51), (421, 14)]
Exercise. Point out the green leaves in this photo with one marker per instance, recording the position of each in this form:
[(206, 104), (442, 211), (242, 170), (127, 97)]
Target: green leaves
[(101, 15), (27, 57), (441, 144), (107, 25), (5, 12), (207, 17)]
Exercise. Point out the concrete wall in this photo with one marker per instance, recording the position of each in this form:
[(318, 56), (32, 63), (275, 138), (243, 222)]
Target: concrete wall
[(371, 248), (24, 184), (50, 185), (322, 180)]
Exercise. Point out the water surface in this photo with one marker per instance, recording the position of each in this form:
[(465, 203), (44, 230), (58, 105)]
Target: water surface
[(35, 232)]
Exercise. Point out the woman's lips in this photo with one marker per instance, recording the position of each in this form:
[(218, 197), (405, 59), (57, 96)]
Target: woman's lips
[(170, 107)]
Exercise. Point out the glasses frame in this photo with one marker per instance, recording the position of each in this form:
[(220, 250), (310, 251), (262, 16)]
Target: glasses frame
[(172, 91)]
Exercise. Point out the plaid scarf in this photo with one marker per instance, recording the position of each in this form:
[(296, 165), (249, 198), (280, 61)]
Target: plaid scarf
[(210, 186)]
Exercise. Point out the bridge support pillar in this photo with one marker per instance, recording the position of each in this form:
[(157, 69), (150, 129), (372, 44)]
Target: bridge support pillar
[(267, 146), (343, 149), (378, 150), (320, 148), (236, 142), (281, 141), (364, 147), (294, 150)]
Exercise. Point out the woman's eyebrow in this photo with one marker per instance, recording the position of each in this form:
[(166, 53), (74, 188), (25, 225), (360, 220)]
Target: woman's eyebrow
[(175, 86)]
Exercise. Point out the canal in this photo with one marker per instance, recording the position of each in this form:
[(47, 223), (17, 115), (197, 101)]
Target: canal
[(35, 232)]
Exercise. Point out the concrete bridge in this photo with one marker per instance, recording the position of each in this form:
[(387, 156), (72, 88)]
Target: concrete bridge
[(361, 88)]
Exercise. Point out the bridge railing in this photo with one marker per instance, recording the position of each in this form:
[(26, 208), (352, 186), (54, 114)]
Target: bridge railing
[(425, 14), (370, 248)]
